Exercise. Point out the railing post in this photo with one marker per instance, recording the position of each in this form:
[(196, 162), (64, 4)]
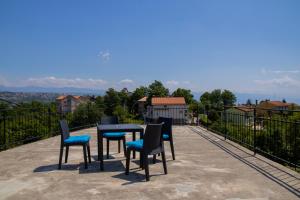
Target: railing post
[(49, 121), (225, 118), (4, 130), (207, 113), (197, 113), (255, 122)]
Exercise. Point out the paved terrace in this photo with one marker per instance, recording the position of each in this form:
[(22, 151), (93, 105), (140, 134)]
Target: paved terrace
[(206, 167)]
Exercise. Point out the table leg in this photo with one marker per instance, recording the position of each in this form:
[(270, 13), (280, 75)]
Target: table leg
[(133, 139), (100, 150), (141, 155), (98, 144)]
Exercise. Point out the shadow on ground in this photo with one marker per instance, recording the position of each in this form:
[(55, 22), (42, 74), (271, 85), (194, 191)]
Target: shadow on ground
[(279, 176)]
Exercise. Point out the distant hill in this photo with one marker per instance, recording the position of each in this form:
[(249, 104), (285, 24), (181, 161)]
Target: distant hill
[(18, 97), (67, 90), (28, 94), (243, 97), (49, 94)]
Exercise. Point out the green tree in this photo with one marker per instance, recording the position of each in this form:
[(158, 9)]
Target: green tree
[(205, 100), (137, 94), (111, 101), (121, 113), (187, 94), (157, 89), (228, 98), (249, 102)]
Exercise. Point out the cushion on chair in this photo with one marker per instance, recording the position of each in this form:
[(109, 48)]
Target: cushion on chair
[(116, 134), (77, 139), (166, 136), (137, 144)]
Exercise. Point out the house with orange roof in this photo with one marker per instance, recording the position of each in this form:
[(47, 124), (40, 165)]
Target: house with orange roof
[(141, 105), (240, 115), (69, 103), (274, 105), (173, 107)]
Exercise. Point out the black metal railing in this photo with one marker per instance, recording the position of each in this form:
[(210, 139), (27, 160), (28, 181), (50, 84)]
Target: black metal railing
[(24, 125), (272, 133)]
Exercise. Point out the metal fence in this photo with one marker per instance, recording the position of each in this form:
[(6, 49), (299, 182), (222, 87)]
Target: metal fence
[(272, 133), (23, 125)]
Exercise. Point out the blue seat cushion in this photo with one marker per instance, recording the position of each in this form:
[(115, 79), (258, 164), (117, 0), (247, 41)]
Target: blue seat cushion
[(137, 144), (166, 136), (116, 134), (78, 139)]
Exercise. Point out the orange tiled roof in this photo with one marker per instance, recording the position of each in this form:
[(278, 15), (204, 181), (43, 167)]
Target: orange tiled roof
[(279, 103), (143, 99), (65, 96), (61, 97), (244, 108), (168, 101)]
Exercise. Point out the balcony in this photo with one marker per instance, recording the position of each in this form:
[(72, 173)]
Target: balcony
[(206, 167)]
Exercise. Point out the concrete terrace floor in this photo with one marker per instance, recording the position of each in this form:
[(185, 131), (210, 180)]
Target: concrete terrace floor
[(206, 167)]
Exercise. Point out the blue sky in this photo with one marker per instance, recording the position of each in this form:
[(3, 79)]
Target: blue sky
[(249, 46)]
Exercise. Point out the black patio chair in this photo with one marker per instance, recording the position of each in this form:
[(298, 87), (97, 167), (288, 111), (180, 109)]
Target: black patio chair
[(167, 134), (116, 136), (67, 141), (151, 144)]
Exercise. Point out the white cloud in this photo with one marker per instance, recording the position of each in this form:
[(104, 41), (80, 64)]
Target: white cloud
[(286, 71), (3, 81), (52, 81), (266, 72), (172, 83), (285, 81), (126, 81), (104, 55), (186, 82)]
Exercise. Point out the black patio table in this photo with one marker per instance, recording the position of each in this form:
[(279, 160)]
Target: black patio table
[(105, 128)]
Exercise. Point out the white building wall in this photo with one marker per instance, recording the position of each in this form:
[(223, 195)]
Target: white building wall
[(179, 113)]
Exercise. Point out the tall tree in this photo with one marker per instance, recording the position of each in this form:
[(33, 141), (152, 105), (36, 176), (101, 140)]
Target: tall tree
[(99, 104), (124, 97), (228, 98), (111, 101), (187, 94), (216, 99), (137, 94), (249, 102), (157, 89), (205, 100)]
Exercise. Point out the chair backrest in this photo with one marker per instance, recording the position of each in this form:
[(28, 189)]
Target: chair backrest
[(167, 126), (152, 137), (64, 129), (109, 120), (149, 120)]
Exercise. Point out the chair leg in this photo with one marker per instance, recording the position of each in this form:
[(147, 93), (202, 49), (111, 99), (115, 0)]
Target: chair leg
[(172, 149), (67, 154), (141, 160), (89, 152), (127, 161), (84, 155), (119, 146), (107, 148), (60, 156), (164, 162), (154, 159), (124, 145), (146, 166)]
